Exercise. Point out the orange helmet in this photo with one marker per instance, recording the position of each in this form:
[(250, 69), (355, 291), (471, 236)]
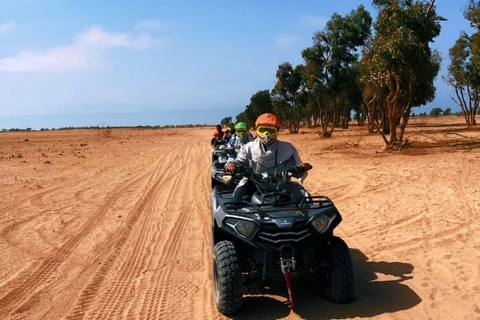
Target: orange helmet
[(267, 126), (268, 119)]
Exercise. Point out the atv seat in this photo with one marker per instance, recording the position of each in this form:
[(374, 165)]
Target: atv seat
[(294, 191)]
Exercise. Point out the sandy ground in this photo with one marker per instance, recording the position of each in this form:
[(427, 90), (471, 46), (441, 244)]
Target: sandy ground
[(98, 226)]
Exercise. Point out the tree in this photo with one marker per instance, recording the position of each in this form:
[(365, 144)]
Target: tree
[(472, 13), (287, 94), (226, 121), (436, 112), (447, 112), (260, 103), (330, 60), (464, 69), (400, 59)]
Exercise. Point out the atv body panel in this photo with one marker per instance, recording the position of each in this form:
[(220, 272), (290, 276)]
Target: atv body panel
[(280, 229)]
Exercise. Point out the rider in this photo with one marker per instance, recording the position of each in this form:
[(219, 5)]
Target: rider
[(229, 132), (231, 128), (218, 137), (241, 137), (266, 156), (228, 135)]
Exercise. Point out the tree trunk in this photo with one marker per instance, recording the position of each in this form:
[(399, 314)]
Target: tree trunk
[(393, 100), (335, 115), (406, 113), (472, 121), (325, 119)]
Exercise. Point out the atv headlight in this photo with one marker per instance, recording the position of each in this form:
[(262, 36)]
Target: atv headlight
[(321, 223), (243, 228)]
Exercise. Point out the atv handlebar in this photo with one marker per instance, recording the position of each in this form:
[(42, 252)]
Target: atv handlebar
[(242, 171)]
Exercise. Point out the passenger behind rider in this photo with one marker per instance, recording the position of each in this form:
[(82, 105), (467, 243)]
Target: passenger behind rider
[(231, 129), (240, 138), (228, 135), (266, 156), (218, 137)]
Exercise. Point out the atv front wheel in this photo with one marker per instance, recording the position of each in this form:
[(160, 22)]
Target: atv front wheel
[(335, 273), (227, 278)]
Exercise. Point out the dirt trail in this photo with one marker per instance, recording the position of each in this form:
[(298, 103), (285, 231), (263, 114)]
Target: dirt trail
[(99, 225)]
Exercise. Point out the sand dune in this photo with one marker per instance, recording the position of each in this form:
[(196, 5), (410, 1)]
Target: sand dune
[(116, 226)]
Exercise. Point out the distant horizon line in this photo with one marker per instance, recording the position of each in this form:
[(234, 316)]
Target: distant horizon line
[(210, 116)]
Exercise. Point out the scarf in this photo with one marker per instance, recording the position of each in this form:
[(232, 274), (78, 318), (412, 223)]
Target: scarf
[(271, 155)]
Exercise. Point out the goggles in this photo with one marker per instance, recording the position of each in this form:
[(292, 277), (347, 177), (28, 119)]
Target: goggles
[(264, 130), (241, 131)]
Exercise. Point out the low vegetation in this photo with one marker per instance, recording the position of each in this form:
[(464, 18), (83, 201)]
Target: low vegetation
[(109, 127)]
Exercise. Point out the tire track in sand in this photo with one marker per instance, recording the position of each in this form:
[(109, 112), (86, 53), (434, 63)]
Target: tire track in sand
[(165, 293), (175, 288), (121, 292), (202, 194), (31, 282)]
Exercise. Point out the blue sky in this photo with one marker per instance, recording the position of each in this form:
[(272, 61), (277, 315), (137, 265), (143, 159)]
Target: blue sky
[(79, 63)]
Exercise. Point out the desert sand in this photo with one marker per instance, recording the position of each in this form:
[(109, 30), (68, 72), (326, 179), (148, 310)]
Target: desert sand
[(116, 226)]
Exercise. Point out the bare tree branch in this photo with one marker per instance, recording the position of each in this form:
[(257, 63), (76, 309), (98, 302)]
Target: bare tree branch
[(429, 8)]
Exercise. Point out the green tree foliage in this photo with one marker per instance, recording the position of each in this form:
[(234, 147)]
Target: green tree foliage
[(472, 13), (447, 112), (399, 60), (260, 103), (464, 69), (289, 95), (436, 112), (226, 121), (330, 65)]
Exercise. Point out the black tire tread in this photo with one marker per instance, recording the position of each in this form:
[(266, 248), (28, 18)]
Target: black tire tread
[(230, 282), (342, 289)]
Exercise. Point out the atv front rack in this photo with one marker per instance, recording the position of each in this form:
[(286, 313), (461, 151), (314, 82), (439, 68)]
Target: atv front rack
[(306, 204)]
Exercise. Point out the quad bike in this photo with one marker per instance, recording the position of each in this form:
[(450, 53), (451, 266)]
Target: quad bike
[(282, 232), (220, 153)]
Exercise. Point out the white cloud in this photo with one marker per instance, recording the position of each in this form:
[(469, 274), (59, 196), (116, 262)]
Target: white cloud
[(150, 24), (313, 22), (83, 54), (10, 26), (54, 60), (284, 41), (96, 37)]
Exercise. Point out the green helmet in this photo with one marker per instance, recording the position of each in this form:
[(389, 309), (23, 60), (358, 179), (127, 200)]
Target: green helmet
[(241, 125), (242, 130)]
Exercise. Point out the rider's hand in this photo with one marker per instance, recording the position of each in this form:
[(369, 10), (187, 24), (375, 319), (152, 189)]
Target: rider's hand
[(230, 167), (306, 166), (236, 147)]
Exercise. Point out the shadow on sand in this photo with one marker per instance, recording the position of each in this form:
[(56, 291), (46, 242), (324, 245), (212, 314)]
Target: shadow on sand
[(269, 301)]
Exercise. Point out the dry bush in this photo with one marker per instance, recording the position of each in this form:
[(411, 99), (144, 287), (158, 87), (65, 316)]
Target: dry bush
[(105, 132)]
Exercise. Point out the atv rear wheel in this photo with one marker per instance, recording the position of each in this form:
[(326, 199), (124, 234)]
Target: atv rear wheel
[(334, 272), (227, 278)]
